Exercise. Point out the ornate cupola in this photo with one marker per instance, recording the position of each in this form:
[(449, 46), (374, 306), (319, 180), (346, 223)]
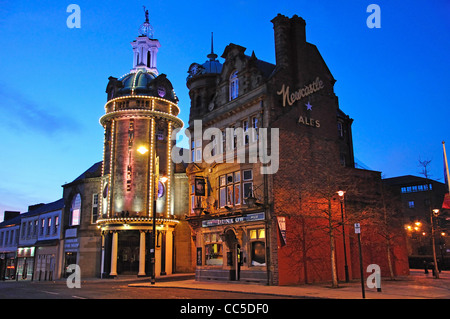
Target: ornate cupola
[(145, 48), (201, 82)]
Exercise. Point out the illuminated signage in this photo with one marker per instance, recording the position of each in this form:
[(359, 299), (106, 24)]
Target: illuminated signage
[(233, 220)]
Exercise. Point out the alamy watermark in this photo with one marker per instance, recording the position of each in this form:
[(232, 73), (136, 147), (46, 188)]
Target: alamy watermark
[(74, 279), (374, 19), (230, 145), (74, 19), (374, 279)]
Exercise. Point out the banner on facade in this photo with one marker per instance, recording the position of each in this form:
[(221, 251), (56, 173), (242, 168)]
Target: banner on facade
[(282, 227)]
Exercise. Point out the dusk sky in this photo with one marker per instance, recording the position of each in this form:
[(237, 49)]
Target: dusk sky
[(393, 81)]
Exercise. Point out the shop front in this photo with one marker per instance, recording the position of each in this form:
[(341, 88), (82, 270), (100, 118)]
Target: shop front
[(25, 263), (8, 266), (232, 248)]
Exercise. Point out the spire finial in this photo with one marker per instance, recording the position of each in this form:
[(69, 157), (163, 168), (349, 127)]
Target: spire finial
[(146, 14), (146, 28), (212, 56)]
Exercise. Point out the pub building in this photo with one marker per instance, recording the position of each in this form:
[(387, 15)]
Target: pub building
[(261, 220)]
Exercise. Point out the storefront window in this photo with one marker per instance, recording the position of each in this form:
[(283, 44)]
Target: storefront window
[(213, 249), (258, 247)]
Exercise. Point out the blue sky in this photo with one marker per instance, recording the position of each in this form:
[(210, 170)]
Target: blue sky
[(392, 81)]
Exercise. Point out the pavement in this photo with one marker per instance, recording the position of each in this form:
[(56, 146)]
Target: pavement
[(417, 285)]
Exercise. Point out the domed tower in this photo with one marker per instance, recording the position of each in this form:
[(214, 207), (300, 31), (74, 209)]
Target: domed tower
[(138, 174), (201, 82)]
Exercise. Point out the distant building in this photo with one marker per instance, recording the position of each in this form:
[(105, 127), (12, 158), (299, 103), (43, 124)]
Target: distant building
[(30, 243), (419, 196)]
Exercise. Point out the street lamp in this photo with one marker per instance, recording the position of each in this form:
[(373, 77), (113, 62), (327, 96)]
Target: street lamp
[(341, 197), (435, 213), (156, 180)]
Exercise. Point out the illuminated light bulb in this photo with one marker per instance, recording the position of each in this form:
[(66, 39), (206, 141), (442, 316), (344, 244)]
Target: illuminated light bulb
[(142, 149)]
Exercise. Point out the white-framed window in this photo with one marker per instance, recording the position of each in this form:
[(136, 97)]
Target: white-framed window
[(234, 85), (230, 189), (196, 150)]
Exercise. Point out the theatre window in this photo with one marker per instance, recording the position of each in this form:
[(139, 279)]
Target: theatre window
[(257, 246), (213, 249)]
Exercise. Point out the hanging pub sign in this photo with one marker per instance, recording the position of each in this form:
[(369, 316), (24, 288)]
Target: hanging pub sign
[(200, 186), (282, 227)]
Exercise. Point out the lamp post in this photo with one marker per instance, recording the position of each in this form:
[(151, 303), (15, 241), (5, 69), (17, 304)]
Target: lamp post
[(156, 179), (341, 197), (435, 213)]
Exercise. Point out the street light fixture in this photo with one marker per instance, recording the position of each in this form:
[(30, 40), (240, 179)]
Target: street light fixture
[(156, 179), (341, 197), (435, 213)]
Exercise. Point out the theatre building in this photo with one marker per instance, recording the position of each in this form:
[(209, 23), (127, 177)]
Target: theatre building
[(140, 197), (270, 148), (125, 211)]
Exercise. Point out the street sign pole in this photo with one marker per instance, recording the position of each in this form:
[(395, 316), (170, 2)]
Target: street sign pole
[(358, 232)]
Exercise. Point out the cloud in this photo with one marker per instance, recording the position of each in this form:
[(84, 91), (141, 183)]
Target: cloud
[(22, 113)]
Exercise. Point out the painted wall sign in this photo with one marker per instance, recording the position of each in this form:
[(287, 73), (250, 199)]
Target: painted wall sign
[(233, 220), (291, 98)]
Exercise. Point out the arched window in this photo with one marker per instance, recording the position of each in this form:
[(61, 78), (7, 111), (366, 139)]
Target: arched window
[(234, 85), (75, 211)]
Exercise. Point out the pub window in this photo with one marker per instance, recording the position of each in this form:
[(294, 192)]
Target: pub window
[(230, 189), (247, 184), (245, 129), (213, 249), (196, 149), (94, 207), (234, 86), (255, 129), (340, 129), (257, 247)]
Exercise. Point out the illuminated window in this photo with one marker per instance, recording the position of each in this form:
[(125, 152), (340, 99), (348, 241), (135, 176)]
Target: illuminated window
[(230, 189), (411, 204), (75, 211), (257, 246), (213, 249), (234, 86)]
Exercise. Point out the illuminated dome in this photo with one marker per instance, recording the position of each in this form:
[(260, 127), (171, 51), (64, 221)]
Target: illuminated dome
[(142, 83)]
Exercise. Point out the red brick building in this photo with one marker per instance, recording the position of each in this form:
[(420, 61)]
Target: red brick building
[(272, 214)]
